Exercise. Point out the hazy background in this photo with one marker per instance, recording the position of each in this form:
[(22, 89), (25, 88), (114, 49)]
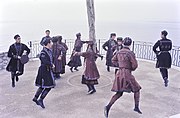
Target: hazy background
[(142, 20)]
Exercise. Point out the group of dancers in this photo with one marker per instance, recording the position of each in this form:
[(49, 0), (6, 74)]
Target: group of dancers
[(119, 55)]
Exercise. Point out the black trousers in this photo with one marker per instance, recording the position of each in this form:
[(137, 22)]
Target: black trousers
[(116, 70), (164, 73), (14, 75), (42, 91)]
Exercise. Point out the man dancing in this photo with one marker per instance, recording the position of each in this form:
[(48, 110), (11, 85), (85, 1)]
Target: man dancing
[(163, 56), (45, 79), (15, 66), (124, 80)]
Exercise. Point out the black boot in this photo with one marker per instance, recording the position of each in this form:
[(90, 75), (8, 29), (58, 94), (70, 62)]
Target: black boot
[(35, 100), (71, 69), (90, 92), (13, 79), (76, 69), (89, 88), (40, 102), (58, 76), (17, 78), (13, 84), (54, 75), (43, 95), (106, 111), (108, 68), (166, 82), (116, 70), (38, 92), (94, 90), (136, 109)]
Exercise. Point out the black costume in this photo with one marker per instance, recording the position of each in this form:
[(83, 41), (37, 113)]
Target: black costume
[(45, 79), (58, 51), (15, 66), (109, 44), (64, 56), (44, 38), (116, 49), (163, 57), (75, 61)]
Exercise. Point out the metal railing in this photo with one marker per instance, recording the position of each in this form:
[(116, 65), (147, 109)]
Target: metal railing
[(142, 50), (36, 47)]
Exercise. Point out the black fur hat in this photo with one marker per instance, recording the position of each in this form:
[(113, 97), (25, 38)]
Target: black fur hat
[(47, 31), (127, 41), (54, 39), (164, 32), (46, 41), (119, 39), (78, 34), (59, 37), (112, 34), (16, 36)]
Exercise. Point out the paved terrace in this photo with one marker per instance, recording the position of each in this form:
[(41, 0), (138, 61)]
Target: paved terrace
[(69, 100)]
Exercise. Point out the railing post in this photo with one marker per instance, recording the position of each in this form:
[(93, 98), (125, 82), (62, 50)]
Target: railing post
[(99, 45), (133, 46), (30, 45)]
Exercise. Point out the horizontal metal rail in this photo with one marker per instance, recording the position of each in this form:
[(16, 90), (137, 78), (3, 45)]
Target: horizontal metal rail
[(142, 50)]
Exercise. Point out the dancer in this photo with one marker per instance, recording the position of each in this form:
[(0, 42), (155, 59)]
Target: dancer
[(91, 75), (63, 56), (75, 61), (15, 66), (124, 80), (119, 45), (45, 79), (117, 48), (57, 51), (163, 55), (47, 36), (107, 46)]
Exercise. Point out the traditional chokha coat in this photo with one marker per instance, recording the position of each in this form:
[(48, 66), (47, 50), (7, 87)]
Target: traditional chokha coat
[(64, 57), (15, 64), (58, 51), (45, 78), (124, 80), (75, 61), (163, 56), (91, 73), (108, 46)]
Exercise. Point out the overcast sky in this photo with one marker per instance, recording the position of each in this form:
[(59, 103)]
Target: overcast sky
[(71, 15), (106, 10)]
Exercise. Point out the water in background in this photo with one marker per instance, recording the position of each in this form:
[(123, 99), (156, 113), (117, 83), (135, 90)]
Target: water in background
[(34, 31)]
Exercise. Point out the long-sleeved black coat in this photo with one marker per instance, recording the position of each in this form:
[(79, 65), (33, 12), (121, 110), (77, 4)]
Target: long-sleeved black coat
[(45, 78), (75, 61), (64, 57), (108, 46), (163, 55), (15, 64), (58, 51), (41, 42)]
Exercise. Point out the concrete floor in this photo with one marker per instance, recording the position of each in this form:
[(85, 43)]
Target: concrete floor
[(69, 100)]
